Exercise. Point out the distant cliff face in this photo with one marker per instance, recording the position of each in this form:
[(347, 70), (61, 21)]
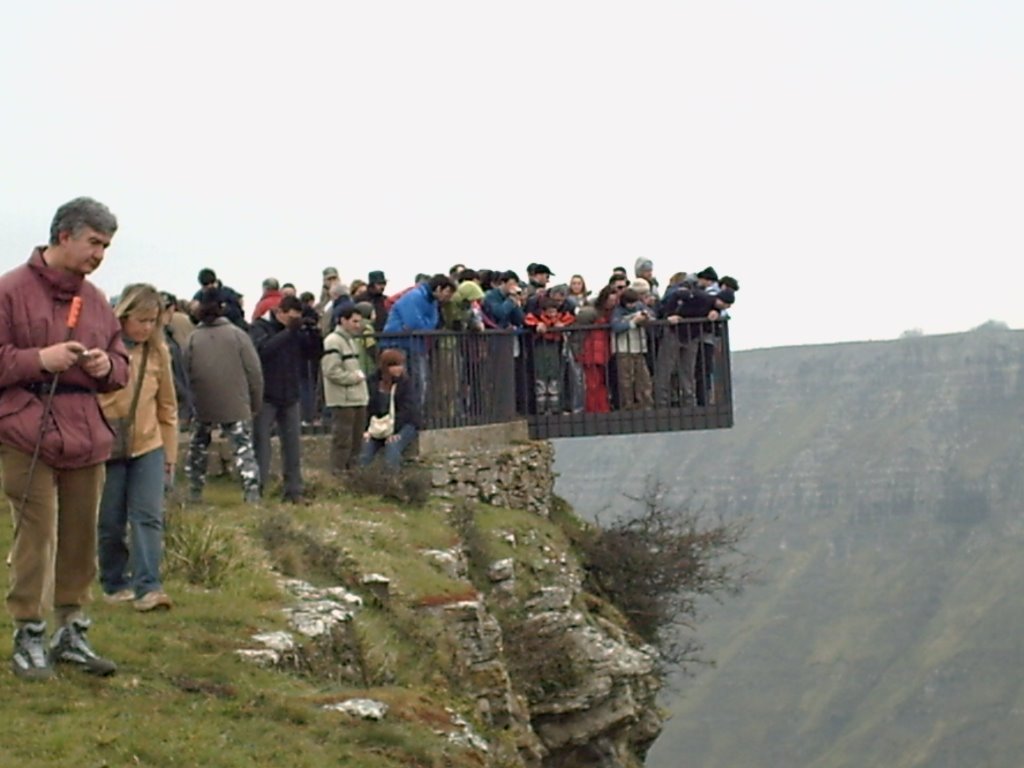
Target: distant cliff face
[(884, 482)]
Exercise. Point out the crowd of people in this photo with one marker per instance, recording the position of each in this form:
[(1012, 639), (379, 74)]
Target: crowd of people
[(94, 395), (627, 347)]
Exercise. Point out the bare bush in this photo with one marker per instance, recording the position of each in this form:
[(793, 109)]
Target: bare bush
[(541, 663), (655, 566), (410, 485)]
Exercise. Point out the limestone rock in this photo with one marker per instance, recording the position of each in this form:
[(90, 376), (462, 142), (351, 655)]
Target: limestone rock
[(367, 709)]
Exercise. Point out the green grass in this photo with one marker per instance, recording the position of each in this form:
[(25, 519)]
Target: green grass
[(182, 698)]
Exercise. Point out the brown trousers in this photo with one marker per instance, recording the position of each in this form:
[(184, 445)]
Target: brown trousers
[(54, 551), (347, 426), (634, 382)]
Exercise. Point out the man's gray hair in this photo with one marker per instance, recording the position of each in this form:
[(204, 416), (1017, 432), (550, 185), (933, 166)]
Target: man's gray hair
[(82, 212)]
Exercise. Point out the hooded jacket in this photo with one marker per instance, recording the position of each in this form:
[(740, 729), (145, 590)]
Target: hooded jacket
[(34, 303), (462, 313)]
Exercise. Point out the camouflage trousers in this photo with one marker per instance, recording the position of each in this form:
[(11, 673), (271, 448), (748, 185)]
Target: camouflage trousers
[(240, 435)]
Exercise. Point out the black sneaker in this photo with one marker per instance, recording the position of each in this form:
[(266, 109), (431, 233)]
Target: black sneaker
[(69, 646), (30, 661)]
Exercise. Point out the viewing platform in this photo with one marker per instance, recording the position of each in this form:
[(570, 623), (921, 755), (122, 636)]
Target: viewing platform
[(579, 381)]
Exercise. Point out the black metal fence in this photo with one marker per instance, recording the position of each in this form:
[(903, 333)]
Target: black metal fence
[(575, 381)]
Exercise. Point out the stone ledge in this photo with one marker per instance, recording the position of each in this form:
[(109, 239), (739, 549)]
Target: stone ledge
[(441, 442)]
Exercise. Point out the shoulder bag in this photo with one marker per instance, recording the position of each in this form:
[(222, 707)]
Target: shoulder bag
[(383, 427), (124, 427)]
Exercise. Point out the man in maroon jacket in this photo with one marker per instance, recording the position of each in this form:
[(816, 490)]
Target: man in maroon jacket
[(55, 499)]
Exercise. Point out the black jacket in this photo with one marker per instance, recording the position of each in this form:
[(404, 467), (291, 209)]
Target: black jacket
[(182, 388), (231, 301), (407, 409), (283, 353), (380, 309), (689, 302)]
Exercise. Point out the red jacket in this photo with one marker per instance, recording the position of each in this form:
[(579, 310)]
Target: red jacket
[(34, 304), (267, 302), (391, 300), (554, 334), (597, 347)]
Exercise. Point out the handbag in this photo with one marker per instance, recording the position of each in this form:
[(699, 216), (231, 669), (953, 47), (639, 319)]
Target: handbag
[(383, 427), (123, 427)]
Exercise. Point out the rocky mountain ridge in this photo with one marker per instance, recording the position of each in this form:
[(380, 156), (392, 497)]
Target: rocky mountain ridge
[(883, 488)]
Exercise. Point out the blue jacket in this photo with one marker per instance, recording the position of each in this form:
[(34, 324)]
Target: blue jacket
[(415, 311), (502, 310)]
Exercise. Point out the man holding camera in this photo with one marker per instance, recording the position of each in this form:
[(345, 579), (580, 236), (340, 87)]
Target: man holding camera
[(286, 341), (53, 438)]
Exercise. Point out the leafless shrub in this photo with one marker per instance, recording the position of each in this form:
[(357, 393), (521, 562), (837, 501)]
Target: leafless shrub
[(655, 566), (410, 485)]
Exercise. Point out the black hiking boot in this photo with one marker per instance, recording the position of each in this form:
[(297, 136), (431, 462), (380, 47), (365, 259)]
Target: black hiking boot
[(69, 646)]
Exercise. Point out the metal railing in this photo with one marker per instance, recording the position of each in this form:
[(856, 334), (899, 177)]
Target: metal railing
[(576, 381)]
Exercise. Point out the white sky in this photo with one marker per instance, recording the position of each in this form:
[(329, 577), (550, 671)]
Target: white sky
[(857, 164)]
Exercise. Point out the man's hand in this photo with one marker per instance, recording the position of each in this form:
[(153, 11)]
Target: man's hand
[(541, 328), (95, 362), (57, 358), (674, 319)]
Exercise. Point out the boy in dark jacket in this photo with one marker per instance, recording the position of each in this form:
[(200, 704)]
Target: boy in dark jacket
[(547, 353)]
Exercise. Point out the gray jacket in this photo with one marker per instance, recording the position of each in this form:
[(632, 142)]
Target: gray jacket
[(224, 371)]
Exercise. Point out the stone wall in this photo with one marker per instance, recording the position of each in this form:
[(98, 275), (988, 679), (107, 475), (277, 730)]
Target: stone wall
[(495, 465)]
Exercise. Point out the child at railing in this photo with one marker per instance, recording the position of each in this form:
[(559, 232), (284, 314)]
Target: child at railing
[(547, 321), (594, 353), (629, 345)]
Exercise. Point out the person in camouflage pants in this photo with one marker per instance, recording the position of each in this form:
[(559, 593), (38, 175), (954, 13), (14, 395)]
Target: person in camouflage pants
[(240, 435), (227, 389)]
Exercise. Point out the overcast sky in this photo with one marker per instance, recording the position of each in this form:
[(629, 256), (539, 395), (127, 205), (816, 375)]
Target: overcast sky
[(857, 165)]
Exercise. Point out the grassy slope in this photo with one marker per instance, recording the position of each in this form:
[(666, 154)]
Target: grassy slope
[(181, 696)]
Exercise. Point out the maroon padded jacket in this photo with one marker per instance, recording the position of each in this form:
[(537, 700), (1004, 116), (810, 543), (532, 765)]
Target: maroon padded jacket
[(34, 304)]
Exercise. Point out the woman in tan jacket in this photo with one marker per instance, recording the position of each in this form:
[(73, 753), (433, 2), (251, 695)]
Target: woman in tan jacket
[(144, 416)]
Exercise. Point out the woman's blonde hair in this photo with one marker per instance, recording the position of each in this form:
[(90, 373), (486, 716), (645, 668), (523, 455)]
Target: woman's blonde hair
[(142, 297)]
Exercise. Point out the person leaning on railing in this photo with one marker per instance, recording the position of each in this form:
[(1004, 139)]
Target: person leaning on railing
[(679, 352), (594, 354), (629, 344)]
